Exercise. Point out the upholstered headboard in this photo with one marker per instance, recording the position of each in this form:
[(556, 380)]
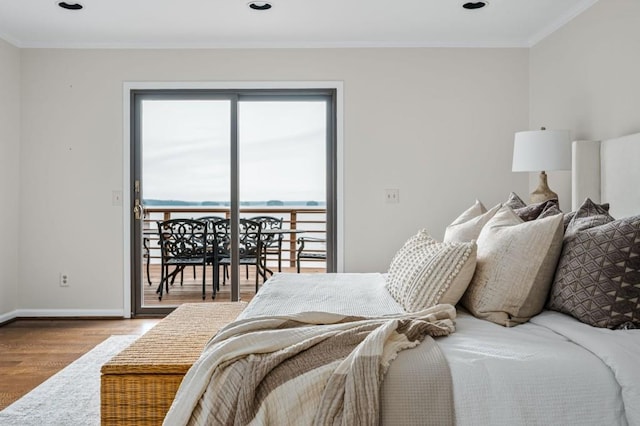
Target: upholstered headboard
[(608, 171)]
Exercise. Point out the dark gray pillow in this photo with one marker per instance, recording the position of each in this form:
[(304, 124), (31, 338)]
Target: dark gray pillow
[(550, 210), (597, 279), (531, 211), (514, 201), (534, 211)]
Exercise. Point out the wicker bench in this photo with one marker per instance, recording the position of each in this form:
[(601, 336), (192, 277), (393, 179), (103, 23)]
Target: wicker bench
[(138, 385)]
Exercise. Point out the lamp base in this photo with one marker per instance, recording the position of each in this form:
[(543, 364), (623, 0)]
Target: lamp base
[(542, 192)]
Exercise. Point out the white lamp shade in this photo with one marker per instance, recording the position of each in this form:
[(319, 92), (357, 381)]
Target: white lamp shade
[(538, 150)]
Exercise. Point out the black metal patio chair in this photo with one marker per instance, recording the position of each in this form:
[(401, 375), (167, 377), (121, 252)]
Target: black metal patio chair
[(183, 242), (310, 248), (274, 245), (250, 241)]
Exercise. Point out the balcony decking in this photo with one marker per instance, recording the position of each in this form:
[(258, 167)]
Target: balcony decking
[(310, 220), (191, 289)]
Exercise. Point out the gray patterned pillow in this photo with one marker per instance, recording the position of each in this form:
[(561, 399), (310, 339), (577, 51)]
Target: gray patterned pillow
[(588, 215), (597, 279), (569, 216)]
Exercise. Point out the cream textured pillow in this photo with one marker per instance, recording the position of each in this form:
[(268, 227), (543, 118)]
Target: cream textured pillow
[(399, 270), (425, 272), (468, 225), (515, 267), (440, 273)]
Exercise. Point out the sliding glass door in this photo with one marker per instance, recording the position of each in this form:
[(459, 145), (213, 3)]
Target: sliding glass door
[(186, 151), (231, 155)]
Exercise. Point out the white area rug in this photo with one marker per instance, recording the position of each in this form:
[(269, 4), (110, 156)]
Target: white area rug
[(71, 396)]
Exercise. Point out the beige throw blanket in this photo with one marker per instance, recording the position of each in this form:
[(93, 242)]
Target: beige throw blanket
[(309, 368)]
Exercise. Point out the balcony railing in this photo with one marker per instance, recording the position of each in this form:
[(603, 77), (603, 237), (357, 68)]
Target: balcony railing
[(311, 220)]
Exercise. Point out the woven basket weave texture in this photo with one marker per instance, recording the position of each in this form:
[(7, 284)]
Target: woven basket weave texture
[(138, 385)]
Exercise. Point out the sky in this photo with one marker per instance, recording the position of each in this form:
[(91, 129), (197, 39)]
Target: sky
[(186, 150)]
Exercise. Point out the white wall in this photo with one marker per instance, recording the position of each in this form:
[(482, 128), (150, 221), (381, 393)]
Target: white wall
[(9, 182), (436, 123), (585, 78)]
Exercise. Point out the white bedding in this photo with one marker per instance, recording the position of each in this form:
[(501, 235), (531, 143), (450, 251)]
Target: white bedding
[(347, 294), (619, 349), (548, 371), (527, 375)]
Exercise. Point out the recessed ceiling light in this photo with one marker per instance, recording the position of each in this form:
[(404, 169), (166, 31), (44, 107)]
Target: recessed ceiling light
[(475, 5), (70, 6), (260, 5)]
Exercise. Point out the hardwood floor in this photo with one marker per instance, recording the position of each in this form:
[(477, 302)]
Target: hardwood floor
[(32, 350)]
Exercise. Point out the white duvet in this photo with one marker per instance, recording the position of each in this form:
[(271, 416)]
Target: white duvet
[(553, 370)]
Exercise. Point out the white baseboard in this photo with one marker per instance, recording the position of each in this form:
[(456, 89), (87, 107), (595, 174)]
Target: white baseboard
[(8, 316), (66, 313)]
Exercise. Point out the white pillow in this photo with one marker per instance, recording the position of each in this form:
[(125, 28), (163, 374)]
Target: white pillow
[(426, 272), (475, 210), (468, 225), (515, 266)]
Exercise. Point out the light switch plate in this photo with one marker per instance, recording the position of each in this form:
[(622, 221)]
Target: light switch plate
[(392, 195)]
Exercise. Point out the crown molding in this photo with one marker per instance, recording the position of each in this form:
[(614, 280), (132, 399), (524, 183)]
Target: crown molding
[(560, 22), (279, 45), (11, 40)]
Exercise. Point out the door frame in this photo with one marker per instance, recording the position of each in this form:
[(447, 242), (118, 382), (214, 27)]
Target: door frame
[(129, 86)]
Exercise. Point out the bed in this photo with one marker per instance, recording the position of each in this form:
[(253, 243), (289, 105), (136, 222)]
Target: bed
[(541, 356)]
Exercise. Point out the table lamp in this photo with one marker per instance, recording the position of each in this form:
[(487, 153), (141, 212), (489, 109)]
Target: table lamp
[(541, 150)]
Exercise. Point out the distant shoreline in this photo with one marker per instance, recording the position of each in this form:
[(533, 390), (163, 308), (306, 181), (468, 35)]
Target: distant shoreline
[(270, 203)]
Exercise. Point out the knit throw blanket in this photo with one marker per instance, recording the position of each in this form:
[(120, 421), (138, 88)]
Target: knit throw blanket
[(312, 368)]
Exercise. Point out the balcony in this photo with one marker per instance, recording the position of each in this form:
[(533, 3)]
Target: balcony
[(309, 219)]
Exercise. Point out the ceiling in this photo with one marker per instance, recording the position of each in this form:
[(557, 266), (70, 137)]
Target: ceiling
[(289, 23)]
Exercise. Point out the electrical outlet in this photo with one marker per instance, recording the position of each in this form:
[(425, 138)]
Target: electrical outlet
[(116, 198), (392, 195), (64, 280)]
